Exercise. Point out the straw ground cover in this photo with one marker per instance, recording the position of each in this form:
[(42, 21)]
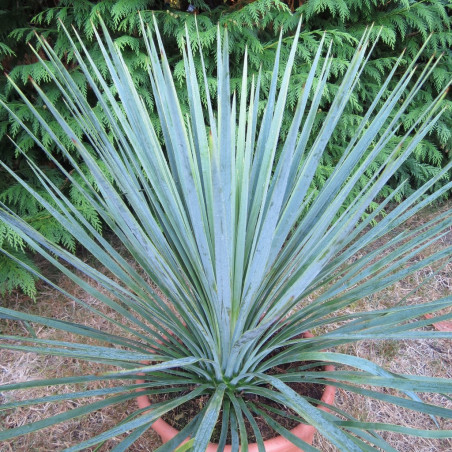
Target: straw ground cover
[(16, 367), (419, 357)]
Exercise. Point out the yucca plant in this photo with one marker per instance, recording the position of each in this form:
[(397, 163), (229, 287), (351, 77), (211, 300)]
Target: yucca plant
[(246, 257)]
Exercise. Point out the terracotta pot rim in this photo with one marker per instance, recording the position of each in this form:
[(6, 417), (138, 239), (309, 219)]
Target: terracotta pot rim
[(276, 444)]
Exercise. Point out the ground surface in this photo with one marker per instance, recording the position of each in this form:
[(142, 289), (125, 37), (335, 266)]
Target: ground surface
[(419, 357)]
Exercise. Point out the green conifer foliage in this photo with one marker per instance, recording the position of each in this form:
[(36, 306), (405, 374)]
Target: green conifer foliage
[(403, 25)]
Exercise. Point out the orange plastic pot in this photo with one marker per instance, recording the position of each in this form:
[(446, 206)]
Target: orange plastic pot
[(278, 444)]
